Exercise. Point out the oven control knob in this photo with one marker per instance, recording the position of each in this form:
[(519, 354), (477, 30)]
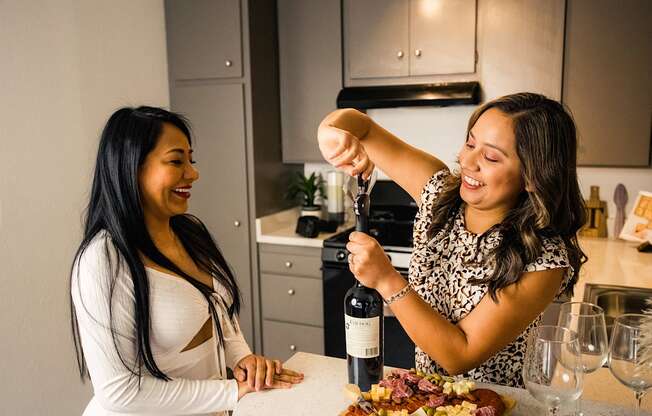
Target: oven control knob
[(341, 255)]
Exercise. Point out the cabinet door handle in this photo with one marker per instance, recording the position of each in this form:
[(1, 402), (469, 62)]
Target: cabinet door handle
[(291, 292), (417, 53), (228, 63), (399, 55), (236, 223), (293, 347), (288, 264)]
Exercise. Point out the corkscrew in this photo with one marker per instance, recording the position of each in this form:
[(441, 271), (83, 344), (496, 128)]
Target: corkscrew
[(361, 200)]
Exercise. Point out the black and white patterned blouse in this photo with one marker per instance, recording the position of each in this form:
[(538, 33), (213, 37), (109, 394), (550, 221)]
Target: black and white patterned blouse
[(439, 272)]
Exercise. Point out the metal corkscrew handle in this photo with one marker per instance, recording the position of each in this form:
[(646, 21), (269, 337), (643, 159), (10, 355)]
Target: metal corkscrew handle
[(362, 214), (361, 206)]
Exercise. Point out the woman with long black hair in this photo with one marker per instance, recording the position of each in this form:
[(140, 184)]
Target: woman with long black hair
[(154, 303)]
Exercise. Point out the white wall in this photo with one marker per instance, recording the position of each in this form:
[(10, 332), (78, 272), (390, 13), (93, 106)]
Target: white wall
[(65, 66)]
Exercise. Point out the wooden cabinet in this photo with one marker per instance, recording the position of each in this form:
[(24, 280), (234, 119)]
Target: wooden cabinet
[(520, 47), (292, 300), (607, 83), (204, 38), (233, 109), (310, 72), (282, 340), (216, 113), (408, 38), (376, 36), (442, 37)]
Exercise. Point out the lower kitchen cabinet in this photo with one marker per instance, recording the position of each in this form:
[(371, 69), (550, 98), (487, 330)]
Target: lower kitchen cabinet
[(281, 339), (291, 300), (289, 260)]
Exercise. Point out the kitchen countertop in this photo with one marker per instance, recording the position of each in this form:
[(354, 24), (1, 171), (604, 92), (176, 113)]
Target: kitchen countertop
[(613, 262), (278, 228), (321, 393)]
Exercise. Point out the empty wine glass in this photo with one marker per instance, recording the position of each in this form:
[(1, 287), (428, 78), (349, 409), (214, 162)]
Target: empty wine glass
[(629, 361), (552, 370), (587, 321)]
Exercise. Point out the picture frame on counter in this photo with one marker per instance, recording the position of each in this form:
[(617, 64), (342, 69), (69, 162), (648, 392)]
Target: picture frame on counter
[(638, 226)]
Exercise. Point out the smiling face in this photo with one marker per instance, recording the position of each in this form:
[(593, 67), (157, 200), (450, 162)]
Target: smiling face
[(490, 167), (166, 175)]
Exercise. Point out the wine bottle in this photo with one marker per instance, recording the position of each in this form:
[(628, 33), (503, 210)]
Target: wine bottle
[(363, 315), (363, 323)]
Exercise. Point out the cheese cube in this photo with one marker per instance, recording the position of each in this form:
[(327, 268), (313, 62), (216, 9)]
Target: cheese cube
[(469, 405), (388, 393)]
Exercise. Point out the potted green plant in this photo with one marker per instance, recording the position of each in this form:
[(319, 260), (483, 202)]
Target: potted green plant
[(309, 187)]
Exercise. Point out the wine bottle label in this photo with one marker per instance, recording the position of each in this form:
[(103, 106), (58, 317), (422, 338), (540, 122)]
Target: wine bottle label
[(362, 336)]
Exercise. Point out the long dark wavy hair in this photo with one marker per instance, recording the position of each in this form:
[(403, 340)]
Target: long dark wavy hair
[(115, 208), (546, 144)]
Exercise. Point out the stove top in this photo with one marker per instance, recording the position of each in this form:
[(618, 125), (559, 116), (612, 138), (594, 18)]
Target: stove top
[(391, 220), (394, 237), (391, 235)]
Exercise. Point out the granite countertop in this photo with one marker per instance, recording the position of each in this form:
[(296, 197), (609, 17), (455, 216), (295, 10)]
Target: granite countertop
[(613, 262), (278, 228), (321, 393)]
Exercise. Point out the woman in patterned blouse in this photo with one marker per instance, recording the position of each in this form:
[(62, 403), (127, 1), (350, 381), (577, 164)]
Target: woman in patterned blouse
[(495, 241)]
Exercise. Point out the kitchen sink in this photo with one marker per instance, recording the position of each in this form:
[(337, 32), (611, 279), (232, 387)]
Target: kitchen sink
[(617, 300)]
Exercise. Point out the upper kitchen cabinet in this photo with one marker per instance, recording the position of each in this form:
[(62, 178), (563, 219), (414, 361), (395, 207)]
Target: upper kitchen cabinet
[(407, 39), (442, 37), (607, 83), (204, 39), (310, 72), (520, 47), (376, 38)]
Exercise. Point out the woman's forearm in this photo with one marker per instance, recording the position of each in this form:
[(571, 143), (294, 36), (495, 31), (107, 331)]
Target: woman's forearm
[(351, 120), (406, 165), (443, 341)]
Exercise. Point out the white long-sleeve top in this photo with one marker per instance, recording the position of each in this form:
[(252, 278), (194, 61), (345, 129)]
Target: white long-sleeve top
[(177, 312)]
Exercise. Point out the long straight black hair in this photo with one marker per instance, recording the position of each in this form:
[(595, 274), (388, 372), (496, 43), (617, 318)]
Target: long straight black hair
[(115, 208)]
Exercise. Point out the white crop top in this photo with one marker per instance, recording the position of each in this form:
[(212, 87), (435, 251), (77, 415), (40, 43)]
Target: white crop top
[(177, 313)]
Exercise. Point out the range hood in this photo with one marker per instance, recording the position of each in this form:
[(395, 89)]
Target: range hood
[(438, 95)]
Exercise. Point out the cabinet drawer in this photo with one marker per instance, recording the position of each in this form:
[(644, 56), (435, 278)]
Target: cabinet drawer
[(290, 264), (292, 299), (282, 340)]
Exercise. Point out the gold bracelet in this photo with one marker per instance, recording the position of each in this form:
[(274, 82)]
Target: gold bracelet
[(398, 295)]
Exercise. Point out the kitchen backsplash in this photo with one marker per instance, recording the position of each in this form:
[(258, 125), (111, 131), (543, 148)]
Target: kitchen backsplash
[(441, 130)]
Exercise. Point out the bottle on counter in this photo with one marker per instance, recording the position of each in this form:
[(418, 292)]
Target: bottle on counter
[(363, 314), (363, 323)]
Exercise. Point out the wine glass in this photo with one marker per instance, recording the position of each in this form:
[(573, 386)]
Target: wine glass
[(629, 361), (552, 370), (587, 320)]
